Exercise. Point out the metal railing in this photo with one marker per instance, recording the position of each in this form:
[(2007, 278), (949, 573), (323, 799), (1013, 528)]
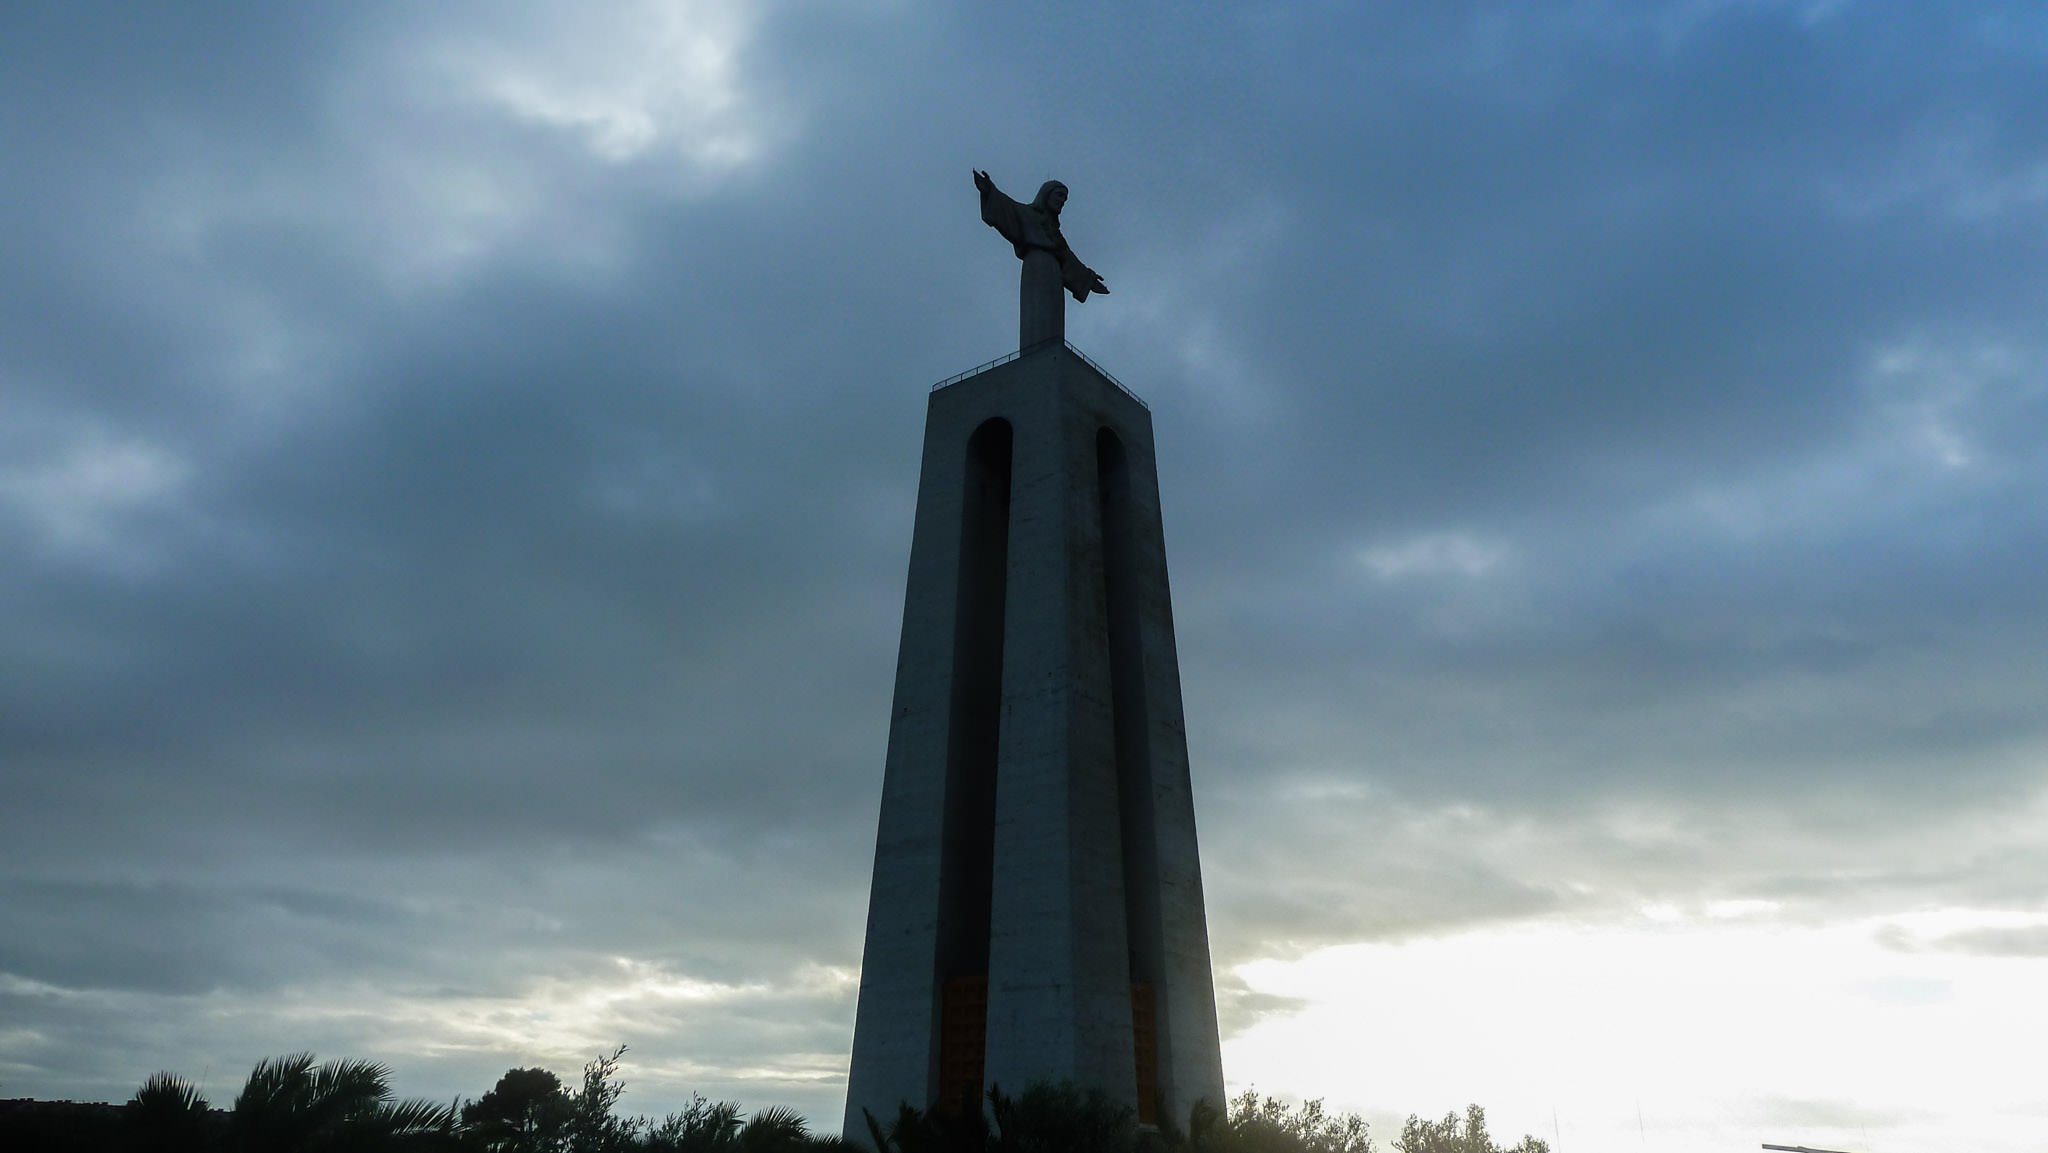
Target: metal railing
[(978, 369)]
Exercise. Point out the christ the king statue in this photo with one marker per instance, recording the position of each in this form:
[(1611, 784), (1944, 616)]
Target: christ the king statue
[(1033, 230)]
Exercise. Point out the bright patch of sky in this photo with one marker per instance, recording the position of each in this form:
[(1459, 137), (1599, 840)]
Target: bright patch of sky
[(1676, 1031)]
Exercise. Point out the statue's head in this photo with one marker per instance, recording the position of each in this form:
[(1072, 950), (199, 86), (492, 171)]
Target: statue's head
[(1052, 196)]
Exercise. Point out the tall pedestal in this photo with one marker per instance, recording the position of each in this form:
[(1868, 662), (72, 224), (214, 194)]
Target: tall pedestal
[(1036, 912), (1041, 300)]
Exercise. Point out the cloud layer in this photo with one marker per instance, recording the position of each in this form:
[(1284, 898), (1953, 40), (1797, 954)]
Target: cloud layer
[(456, 471)]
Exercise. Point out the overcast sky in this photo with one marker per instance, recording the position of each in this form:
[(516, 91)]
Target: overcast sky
[(456, 476)]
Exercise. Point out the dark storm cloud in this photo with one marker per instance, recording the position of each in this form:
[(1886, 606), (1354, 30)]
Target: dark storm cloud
[(1598, 291), (485, 578), (453, 540)]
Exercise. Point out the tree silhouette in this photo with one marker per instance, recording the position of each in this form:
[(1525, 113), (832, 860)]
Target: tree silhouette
[(1451, 1135), (293, 1104), (1255, 1124), (290, 1105), (700, 1127), (527, 1111), (592, 1127), (1061, 1118), (168, 1115)]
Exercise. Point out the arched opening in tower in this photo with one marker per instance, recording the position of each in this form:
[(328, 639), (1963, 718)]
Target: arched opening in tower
[(968, 872)]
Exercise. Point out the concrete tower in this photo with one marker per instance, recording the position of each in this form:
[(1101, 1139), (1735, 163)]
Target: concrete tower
[(1037, 904)]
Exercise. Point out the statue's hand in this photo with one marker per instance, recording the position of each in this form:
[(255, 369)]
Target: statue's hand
[(983, 183), (1080, 291)]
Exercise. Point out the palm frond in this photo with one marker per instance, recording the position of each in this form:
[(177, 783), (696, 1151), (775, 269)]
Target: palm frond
[(275, 1081), (336, 1093), (720, 1125), (414, 1115), (875, 1133), (348, 1087), (168, 1094), (169, 1115), (774, 1130), (289, 1101), (912, 1131), (266, 1112)]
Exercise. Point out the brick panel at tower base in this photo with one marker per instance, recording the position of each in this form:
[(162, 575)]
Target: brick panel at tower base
[(1037, 887)]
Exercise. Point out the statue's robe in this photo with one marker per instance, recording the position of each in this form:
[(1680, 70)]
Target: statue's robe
[(1036, 225)]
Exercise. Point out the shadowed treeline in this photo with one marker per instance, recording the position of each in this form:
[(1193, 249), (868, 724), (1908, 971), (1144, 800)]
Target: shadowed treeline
[(295, 1104)]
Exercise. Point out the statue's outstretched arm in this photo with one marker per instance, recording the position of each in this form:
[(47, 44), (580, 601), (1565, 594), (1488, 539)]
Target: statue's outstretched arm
[(1081, 280), (999, 211), (1078, 277)]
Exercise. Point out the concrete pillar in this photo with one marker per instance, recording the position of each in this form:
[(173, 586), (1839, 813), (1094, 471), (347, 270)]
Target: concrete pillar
[(1041, 305), (1078, 860)]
